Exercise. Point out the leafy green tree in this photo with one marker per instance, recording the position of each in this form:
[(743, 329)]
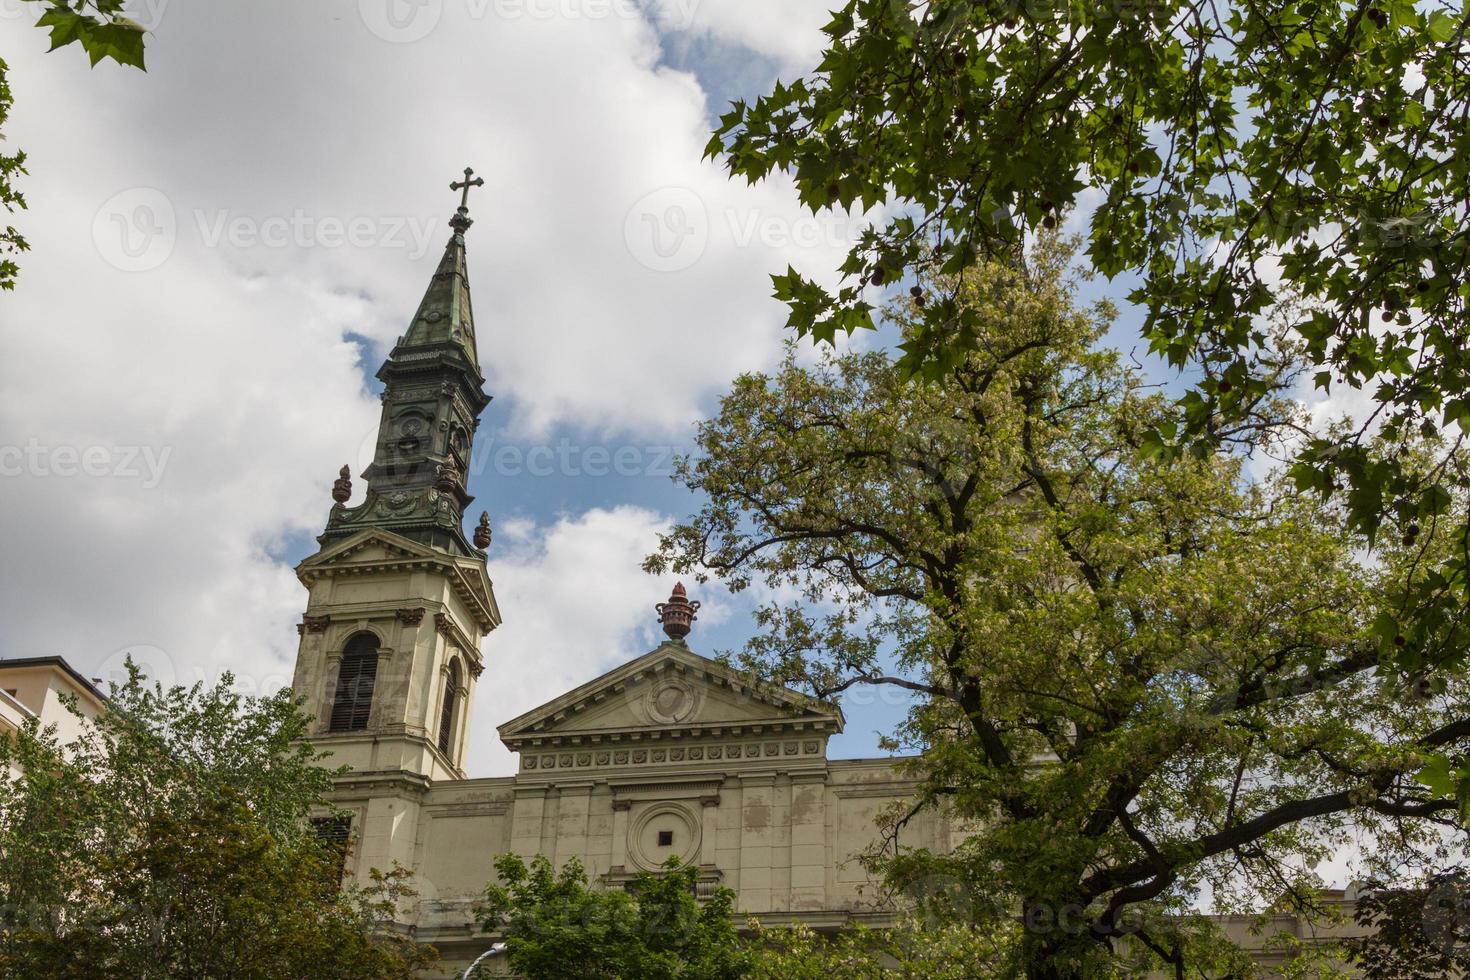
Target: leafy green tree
[(1136, 677), (12, 165), (911, 950), (172, 839), (556, 927), (100, 27), (103, 32), (1244, 162), (1415, 932)]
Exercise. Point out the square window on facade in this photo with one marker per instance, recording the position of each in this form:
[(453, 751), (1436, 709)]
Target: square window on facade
[(665, 838)]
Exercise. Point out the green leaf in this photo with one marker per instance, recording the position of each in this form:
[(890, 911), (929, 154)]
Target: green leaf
[(1441, 26), (66, 25), (1438, 777), (119, 38)]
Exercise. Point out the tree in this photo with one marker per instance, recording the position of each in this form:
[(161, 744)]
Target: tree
[(100, 27), (1416, 932), (12, 165), (556, 927), (103, 32), (1237, 155), (172, 839), (911, 950), (1137, 677)]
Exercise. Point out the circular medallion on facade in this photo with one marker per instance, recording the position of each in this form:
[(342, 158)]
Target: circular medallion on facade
[(670, 701), (660, 831)]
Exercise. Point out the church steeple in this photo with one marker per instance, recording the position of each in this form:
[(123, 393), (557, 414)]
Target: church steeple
[(445, 315), (400, 599), (432, 399)]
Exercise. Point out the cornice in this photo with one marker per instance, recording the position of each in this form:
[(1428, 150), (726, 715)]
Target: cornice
[(696, 730), (673, 657), (705, 759), (482, 607)]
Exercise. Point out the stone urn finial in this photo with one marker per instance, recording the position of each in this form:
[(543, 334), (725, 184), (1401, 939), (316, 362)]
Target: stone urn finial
[(342, 488), (446, 478), (482, 532), (677, 614)]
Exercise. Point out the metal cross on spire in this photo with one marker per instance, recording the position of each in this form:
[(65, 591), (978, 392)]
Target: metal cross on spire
[(465, 185), (461, 221)]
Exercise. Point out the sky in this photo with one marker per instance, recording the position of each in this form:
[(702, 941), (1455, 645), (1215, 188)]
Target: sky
[(225, 248)]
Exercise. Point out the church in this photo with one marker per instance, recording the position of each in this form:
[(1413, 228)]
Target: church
[(670, 755)]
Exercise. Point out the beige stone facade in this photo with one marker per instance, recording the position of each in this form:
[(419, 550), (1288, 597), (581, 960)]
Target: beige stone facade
[(671, 755), (36, 688)]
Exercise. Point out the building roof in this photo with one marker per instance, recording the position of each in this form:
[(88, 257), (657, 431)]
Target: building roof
[(12, 663)]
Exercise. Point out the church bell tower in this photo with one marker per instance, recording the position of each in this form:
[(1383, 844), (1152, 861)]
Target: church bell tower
[(399, 597)]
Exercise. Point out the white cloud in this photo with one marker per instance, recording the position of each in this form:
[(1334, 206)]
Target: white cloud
[(789, 31), (575, 605), (291, 161)]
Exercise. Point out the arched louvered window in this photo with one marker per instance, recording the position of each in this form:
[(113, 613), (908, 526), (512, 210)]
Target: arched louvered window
[(446, 711), (354, 699)]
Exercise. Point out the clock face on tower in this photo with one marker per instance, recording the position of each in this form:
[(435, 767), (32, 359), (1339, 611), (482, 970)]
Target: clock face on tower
[(411, 433)]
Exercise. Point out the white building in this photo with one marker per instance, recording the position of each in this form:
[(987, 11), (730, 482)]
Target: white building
[(35, 687)]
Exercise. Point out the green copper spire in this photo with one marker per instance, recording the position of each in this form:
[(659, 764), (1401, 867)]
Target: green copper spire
[(445, 316), (432, 399)]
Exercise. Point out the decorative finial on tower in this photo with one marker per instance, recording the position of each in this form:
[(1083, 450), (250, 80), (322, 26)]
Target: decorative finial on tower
[(482, 533), (342, 488), (461, 221), (677, 614), (446, 478)]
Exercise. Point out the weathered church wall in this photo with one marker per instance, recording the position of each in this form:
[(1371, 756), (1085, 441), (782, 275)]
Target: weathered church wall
[(787, 844)]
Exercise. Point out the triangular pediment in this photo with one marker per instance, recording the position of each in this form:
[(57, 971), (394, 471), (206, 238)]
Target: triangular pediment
[(370, 545), (374, 548), (670, 689)]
